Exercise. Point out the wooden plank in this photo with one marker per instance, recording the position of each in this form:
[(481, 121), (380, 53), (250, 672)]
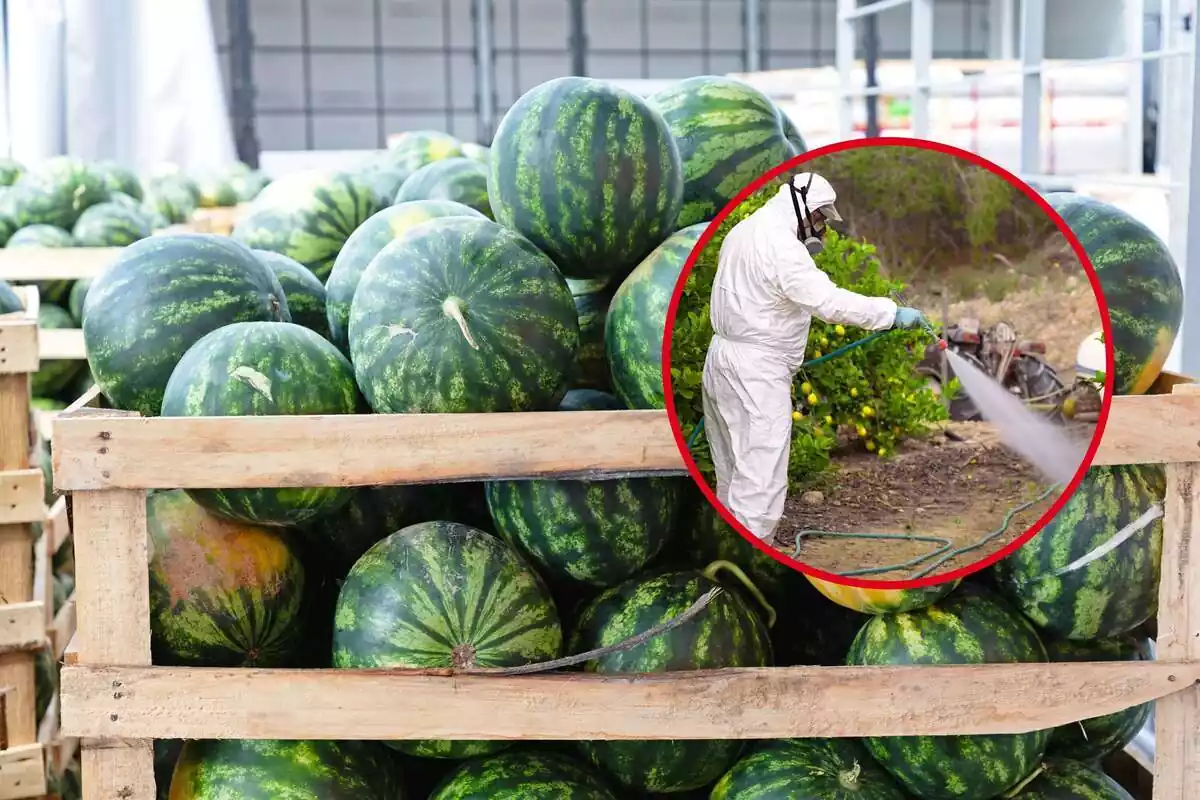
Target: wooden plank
[(63, 628), (57, 527), (27, 264), (22, 626), (18, 346), (22, 772), (97, 452), (44, 420), (66, 343), (22, 492), (168, 703), (1151, 429), (113, 617), (48, 728), (16, 560), (71, 654), (1177, 719)]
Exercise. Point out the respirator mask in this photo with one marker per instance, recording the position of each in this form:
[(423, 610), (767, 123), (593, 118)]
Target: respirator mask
[(806, 227)]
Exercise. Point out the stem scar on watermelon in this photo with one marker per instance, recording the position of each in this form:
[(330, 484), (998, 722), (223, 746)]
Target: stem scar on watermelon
[(453, 308)]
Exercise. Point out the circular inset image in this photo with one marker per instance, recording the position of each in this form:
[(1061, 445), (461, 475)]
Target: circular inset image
[(887, 365)]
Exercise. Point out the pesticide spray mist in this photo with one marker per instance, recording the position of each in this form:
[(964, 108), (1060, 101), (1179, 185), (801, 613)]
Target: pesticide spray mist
[(1039, 441)]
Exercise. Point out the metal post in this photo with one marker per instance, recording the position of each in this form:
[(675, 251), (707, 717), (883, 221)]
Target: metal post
[(922, 57), (1033, 50), (241, 79), (871, 62), (1186, 164), (844, 58), (485, 67), (578, 37), (1135, 31), (752, 28), (1007, 13)]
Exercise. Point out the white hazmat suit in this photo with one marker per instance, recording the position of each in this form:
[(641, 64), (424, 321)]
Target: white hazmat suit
[(766, 291)]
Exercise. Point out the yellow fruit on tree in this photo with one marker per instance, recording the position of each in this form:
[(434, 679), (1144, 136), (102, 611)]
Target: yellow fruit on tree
[(816, 354), (839, 330), (870, 445), (861, 431), (853, 392), (868, 412), (824, 342), (806, 387), (797, 416), (882, 452), (828, 420), (812, 398)]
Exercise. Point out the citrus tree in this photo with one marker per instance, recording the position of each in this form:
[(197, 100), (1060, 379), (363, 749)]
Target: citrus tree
[(869, 396)]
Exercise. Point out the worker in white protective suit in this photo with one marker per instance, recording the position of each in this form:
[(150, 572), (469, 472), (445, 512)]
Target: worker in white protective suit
[(766, 291)]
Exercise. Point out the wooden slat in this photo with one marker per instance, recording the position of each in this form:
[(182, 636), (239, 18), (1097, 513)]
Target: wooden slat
[(57, 528), (48, 728), (168, 703), (1151, 429), (63, 628), (22, 492), (66, 343), (96, 452), (22, 626), (27, 264), (16, 560), (71, 654), (1177, 719), (22, 772), (44, 420), (113, 610), (18, 346)]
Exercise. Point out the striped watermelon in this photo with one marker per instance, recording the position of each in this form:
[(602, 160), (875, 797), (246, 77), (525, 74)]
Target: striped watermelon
[(441, 594), (263, 369), (1095, 738), (596, 532), (118, 178), (40, 236), (414, 149), (728, 134), (1106, 597), (592, 299), (308, 216), (637, 318), (971, 626), (9, 301), (807, 769), (477, 152), (54, 375), (589, 400), (1141, 286), (1060, 779), (55, 193), (171, 200), (217, 192), (882, 601), (523, 775), (76, 297), (267, 769), (373, 513), (122, 199), (792, 134), (589, 173), (305, 294), (110, 225), (462, 315), (459, 180), (10, 171), (365, 243), (728, 633), (222, 593)]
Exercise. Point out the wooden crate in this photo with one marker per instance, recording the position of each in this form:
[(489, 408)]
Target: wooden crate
[(217, 220), (117, 702), (27, 623)]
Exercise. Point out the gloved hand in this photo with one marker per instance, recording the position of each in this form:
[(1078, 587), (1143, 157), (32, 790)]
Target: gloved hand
[(910, 318)]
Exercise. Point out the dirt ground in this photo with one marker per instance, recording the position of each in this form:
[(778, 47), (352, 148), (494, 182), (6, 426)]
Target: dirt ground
[(958, 485)]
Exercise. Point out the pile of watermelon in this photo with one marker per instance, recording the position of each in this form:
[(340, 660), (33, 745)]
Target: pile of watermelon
[(534, 274)]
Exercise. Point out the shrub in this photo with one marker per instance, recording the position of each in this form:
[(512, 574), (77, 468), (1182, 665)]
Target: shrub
[(871, 395)]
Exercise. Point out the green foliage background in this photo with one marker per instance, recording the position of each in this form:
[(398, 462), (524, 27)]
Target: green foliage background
[(879, 376)]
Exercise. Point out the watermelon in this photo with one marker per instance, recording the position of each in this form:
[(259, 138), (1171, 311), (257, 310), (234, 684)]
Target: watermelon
[(1141, 286), (45, 681), (882, 601), (247, 185), (122, 199), (592, 299), (10, 171), (385, 178), (792, 134), (268, 769), (1111, 595), (263, 369), (462, 315), (728, 633), (597, 532), (365, 243), (54, 375), (1095, 738), (308, 216), (441, 594), (170, 175), (589, 173), (9, 301), (807, 769), (40, 236), (372, 513), (728, 134), (589, 400), (158, 298), (166, 754), (55, 193), (119, 178), (1062, 779), (529, 775), (476, 152), (171, 200), (970, 626), (76, 298), (637, 318), (217, 192), (459, 180), (305, 294), (414, 149), (222, 593), (7, 225), (110, 225)]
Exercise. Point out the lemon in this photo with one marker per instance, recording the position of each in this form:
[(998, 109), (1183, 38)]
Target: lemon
[(868, 412), (839, 330), (824, 342), (806, 387), (828, 420), (853, 392), (882, 452), (816, 354), (861, 431), (870, 445), (797, 416), (812, 398)]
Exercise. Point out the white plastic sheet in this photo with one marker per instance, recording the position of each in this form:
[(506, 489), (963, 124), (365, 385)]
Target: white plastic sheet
[(35, 115)]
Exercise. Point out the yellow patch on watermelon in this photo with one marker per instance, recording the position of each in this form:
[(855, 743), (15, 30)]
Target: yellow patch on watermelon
[(1164, 340), (872, 601)]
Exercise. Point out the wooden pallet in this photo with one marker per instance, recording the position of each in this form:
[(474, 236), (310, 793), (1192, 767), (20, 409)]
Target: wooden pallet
[(116, 701), (27, 621)]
